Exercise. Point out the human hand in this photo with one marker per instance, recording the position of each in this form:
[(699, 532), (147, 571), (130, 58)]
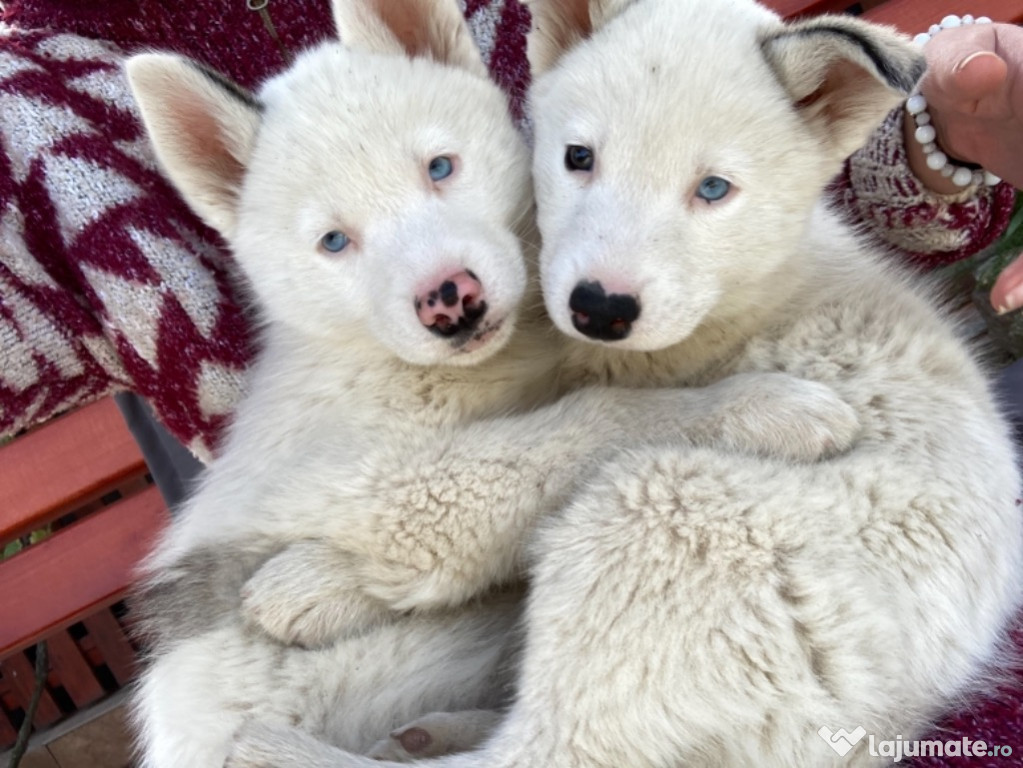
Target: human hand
[(974, 92)]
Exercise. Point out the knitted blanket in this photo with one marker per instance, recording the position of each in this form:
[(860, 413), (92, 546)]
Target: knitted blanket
[(108, 282)]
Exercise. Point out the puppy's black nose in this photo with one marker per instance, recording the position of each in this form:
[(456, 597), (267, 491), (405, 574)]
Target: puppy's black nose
[(600, 316)]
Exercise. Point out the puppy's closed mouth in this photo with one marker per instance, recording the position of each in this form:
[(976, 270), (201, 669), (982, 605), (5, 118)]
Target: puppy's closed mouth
[(478, 338)]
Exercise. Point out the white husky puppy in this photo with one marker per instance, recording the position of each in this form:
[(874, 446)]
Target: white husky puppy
[(372, 195), (692, 607)]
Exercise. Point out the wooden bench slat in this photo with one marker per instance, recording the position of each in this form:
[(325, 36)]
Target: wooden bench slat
[(73, 671), (41, 594), (65, 463), (113, 645), (21, 675), (913, 16), (910, 16), (7, 733)]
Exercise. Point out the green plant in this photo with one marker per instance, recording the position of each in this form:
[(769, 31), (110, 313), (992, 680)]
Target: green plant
[(1001, 254), (17, 545)]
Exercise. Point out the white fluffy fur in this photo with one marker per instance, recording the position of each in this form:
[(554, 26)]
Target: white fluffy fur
[(368, 449), (341, 142), (690, 606)]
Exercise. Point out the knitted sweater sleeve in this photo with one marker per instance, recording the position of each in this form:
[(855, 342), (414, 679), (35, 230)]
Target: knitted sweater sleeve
[(878, 190), (107, 282)]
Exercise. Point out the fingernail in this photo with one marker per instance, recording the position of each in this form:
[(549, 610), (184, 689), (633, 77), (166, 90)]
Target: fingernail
[(1013, 300)]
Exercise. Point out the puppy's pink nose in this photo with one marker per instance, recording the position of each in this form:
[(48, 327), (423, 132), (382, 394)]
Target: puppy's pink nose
[(455, 305)]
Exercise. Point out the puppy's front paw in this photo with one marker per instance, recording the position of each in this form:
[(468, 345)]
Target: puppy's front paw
[(306, 596), (806, 421), (781, 416)]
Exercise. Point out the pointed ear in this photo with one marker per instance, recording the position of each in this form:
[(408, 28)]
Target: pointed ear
[(432, 29), (560, 25), (844, 75), (202, 127)]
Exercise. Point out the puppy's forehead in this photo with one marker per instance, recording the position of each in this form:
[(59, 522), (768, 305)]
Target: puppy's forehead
[(667, 59), (353, 129), (371, 96)]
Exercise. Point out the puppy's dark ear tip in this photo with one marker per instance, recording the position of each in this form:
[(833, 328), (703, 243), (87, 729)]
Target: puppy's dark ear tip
[(230, 87), (916, 73)]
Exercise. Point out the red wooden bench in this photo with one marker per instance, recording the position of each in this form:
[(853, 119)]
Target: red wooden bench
[(909, 16), (82, 476), (66, 589)]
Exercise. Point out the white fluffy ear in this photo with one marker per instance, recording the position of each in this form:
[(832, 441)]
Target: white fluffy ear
[(844, 75), (433, 29), (560, 25), (202, 127)]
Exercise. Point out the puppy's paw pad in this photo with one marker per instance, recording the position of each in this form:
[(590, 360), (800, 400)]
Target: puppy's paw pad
[(436, 734), (404, 745)]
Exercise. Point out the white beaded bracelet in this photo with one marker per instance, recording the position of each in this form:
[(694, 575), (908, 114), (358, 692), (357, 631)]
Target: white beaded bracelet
[(925, 134)]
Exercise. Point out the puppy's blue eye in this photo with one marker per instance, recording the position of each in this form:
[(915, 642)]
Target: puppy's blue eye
[(334, 241), (579, 158), (441, 167), (713, 188)]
